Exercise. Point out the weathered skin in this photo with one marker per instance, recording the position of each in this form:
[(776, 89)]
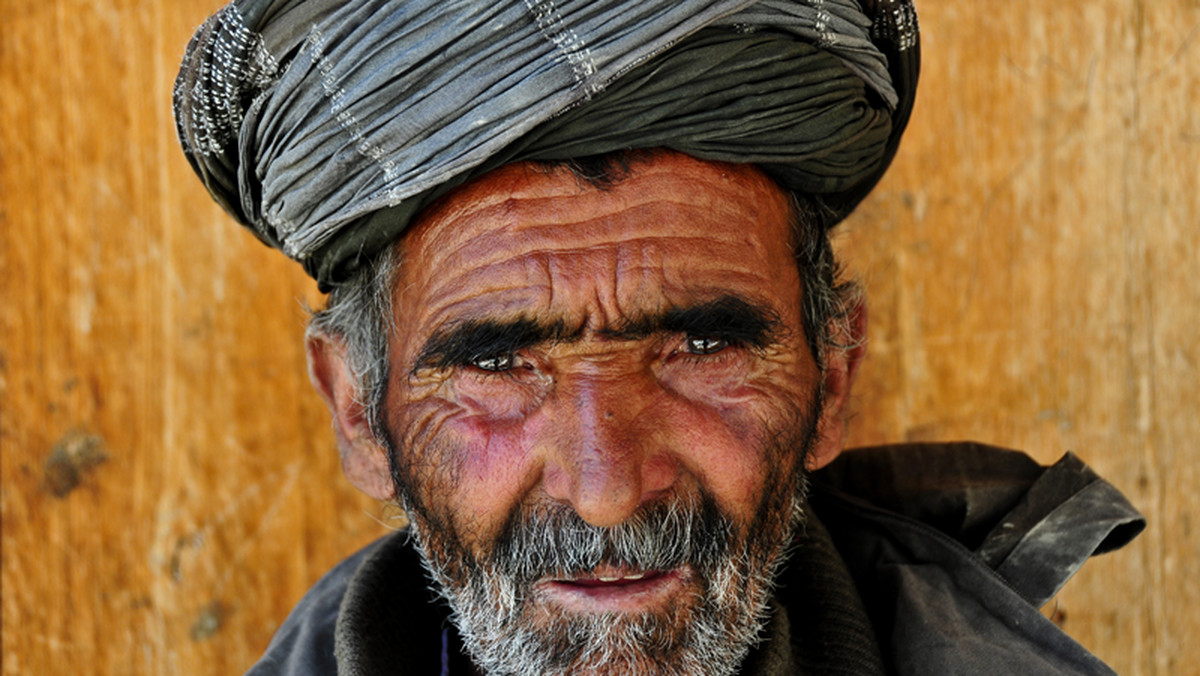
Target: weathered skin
[(599, 421)]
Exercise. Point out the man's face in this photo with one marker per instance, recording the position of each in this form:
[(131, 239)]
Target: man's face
[(598, 409)]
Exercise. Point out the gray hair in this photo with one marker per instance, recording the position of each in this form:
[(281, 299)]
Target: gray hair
[(359, 312), (828, 298)]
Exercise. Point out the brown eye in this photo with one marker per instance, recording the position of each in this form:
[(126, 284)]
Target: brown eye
[(495, 362), (705, 344)]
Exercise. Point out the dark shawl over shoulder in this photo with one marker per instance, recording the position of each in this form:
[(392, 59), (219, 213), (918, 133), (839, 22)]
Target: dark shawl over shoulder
[(917, 560)]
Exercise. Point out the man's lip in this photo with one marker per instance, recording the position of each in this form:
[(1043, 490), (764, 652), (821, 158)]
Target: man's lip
[(612, 590), (611, 578)]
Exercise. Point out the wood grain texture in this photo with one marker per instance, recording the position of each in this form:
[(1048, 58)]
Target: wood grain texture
[(170, 486)]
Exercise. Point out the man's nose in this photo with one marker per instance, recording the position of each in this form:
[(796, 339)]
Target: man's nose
[(610, 452)]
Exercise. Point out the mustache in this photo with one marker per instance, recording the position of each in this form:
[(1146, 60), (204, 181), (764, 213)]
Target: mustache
[(551, 540)]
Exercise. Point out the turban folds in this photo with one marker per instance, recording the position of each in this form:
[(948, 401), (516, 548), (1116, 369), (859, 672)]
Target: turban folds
[(326, 125)]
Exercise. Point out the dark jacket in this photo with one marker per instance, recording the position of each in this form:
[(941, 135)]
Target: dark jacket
[(916, 559)]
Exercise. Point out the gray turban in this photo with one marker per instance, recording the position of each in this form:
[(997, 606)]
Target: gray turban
[(325, 126)]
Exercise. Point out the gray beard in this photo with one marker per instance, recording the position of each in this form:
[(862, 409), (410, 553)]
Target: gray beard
[(708, 632)]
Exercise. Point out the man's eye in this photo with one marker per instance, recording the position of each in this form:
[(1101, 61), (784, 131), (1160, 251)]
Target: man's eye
[(705, 344), (495, 362)]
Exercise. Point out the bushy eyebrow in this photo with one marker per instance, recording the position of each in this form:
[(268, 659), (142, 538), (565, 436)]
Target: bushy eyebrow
[(729, 317), (464, 342)]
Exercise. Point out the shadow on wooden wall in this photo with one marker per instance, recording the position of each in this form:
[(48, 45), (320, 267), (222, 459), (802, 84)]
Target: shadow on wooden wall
[(170, 485)]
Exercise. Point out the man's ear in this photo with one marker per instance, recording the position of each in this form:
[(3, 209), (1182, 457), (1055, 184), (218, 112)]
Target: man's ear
[(841, 368), (363, 460)]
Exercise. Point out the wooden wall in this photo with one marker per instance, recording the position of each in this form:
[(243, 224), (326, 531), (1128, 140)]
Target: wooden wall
[(170, 486)]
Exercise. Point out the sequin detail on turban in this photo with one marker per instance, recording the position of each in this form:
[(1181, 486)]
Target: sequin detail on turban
[(325, 126)]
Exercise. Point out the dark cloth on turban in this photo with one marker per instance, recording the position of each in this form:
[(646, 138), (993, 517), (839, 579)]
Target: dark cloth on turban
[(325, 126)]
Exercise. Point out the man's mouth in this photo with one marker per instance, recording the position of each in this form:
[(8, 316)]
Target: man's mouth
[(601, 580), (613, 590)]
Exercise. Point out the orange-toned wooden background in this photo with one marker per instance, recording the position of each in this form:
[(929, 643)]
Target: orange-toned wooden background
[(170, 486)]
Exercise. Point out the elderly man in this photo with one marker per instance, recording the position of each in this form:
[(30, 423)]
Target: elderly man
[(585, 326)]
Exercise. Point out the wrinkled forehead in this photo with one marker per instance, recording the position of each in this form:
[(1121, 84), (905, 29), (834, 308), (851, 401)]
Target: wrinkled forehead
[(542, 205), (531, 241)]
